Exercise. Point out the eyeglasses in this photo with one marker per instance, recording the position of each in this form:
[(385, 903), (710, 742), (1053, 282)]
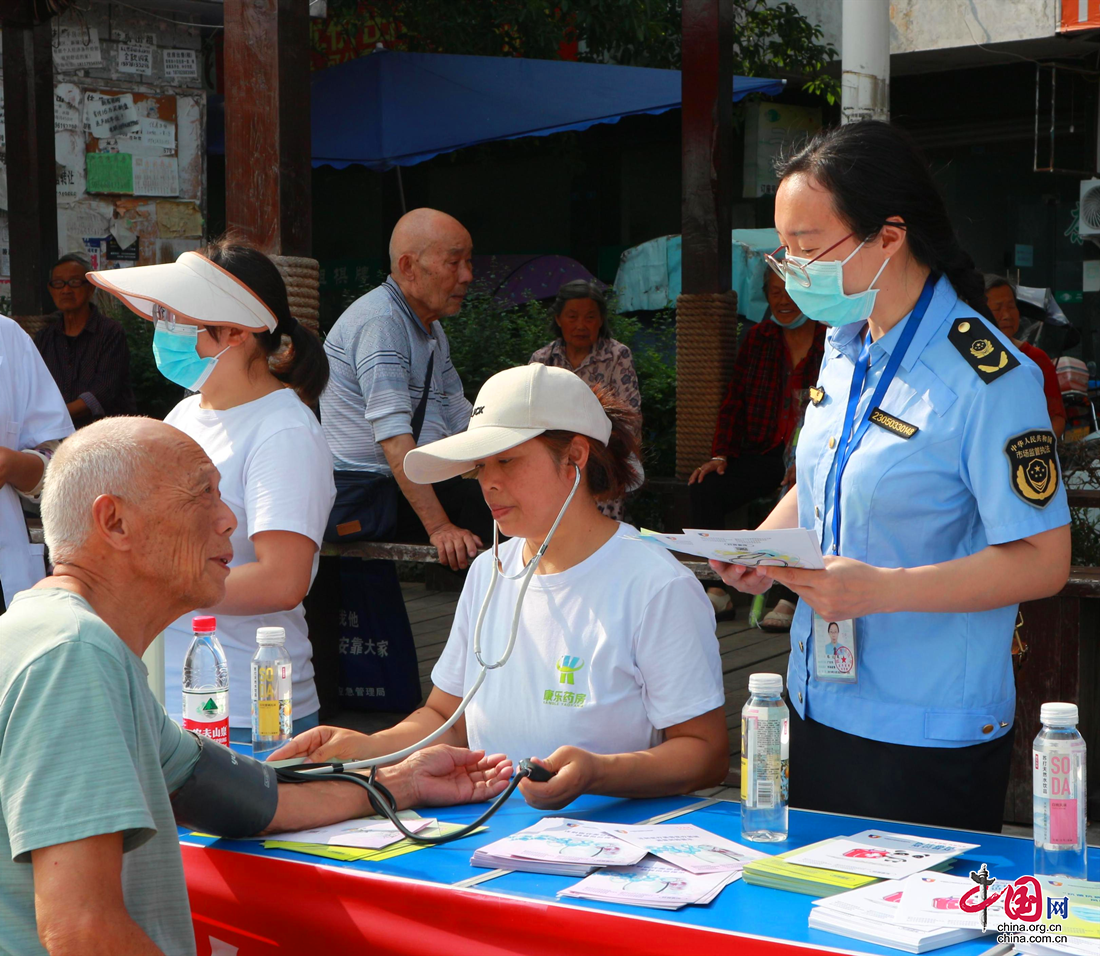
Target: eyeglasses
[(784, 267), (71, 283)]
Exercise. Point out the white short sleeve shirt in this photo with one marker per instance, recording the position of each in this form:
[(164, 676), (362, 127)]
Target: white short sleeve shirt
[(276, 475), (609, 653)]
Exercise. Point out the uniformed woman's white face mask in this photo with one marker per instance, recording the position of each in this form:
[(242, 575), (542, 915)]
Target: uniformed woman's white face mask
[(824, 299)]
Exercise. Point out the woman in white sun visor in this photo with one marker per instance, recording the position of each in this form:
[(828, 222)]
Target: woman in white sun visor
[(615, 680), (221, 317)]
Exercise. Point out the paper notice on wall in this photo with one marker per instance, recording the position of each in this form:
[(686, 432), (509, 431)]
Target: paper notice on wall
[(69, 157), (127, 36), (155, 176), (158, 134), (76, 48), (3, 188), (181, 65), (67, 101), (110, 173), (135, 58), (3, 122), (109, 115), (177, 220), (84, 219)]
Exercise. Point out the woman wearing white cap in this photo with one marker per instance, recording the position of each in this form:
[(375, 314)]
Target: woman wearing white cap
[(220, 321), (615, 679)]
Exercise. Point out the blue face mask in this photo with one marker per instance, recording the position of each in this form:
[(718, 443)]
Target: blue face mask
[(175, 349), (824, 299), (793, 324)]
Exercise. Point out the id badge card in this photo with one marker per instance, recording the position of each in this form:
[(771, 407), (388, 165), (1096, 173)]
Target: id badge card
[(835, 650)]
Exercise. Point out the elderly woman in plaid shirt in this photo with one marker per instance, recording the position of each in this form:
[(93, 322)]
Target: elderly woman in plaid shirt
[(777, 363)]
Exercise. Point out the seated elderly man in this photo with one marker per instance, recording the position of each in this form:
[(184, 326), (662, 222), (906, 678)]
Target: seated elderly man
[(93, 775), (392, 387), (85, 351)]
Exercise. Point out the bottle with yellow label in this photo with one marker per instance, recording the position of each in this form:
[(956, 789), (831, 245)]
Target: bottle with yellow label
[(271, 692)]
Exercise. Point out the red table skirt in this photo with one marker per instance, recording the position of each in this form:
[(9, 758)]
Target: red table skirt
[(266, 906)]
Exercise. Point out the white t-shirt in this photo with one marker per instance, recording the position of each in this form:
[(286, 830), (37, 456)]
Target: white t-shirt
[(608, 654), (276, 475)]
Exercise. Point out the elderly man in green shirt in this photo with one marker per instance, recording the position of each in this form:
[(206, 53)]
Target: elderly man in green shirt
[(91, 768)]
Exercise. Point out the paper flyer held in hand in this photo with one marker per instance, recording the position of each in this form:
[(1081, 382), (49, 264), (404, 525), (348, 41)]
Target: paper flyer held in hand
[(778, 548), (886, 856)]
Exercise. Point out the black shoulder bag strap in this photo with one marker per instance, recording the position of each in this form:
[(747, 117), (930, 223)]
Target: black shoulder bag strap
[(422, 405)]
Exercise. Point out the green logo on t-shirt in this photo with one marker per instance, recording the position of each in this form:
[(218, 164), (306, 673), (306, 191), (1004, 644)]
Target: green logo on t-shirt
[(567, 666)]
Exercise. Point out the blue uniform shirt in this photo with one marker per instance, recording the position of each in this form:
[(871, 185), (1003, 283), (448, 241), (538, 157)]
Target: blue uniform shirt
[(931, 680)]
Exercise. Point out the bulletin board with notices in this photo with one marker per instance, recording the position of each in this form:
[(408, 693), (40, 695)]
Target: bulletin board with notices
[(129, 134)]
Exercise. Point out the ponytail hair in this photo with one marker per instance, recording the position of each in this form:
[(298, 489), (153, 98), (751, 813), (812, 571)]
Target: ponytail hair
[(611, 469), (302, 364), (874, 171)]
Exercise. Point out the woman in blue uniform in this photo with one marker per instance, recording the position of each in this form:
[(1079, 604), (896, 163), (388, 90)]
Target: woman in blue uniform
[(927, 467)]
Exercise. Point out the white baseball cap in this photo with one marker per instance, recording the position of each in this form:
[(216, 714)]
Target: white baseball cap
[(191, 288), (514, 406)]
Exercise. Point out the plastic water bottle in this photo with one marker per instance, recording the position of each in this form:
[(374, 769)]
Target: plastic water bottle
[(271, 692), (765, 779), (206, 683), (1058, 793)]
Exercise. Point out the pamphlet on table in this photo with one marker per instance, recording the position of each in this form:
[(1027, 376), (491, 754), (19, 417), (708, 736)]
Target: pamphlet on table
[(651, 883), (882, 855), (364, 833), (689, 847), (869, 914), (561, 846), (778, 548)]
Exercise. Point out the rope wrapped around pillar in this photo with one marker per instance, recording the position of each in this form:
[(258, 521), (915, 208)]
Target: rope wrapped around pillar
[(706, 346), (303, 288)]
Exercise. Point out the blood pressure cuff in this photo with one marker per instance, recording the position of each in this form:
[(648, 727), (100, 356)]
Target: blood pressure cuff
[(227, 793)]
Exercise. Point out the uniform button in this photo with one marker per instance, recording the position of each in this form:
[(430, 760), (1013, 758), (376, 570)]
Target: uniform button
[(801, 647), (832, 443), (817, 512), (987, 729), (964, 326), (800, 697)]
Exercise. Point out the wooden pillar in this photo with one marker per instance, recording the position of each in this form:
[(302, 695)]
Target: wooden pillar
[(706, 313), (32, 178), (267, 117)]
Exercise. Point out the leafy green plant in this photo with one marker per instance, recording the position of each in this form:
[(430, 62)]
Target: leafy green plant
[(769, 39), (1080, 463)]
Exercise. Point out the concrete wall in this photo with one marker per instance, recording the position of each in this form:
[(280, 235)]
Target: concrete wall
[(943, 24)]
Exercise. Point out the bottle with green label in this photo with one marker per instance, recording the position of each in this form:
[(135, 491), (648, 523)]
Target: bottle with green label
[(206, 683)]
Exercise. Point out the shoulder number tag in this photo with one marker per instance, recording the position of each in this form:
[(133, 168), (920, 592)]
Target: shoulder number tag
[(892, 424), (982, 351), (1033, 466)]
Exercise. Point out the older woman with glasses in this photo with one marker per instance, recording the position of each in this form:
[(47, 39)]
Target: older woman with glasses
[(85, 351)]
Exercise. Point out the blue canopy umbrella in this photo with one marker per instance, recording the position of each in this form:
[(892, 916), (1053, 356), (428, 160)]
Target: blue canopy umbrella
[(398, 109)]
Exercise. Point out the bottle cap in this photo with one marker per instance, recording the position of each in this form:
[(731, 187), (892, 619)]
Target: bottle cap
[(206, 624), (270, 636), (770, 684), (1058, 714)]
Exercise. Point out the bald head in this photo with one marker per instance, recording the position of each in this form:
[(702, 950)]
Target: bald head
[(430, 262), (127, 457)]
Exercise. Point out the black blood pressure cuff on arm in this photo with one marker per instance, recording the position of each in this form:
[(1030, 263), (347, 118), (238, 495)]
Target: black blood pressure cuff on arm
[(227, 793)]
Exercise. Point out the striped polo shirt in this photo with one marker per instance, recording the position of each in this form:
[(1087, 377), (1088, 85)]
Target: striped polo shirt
[(378, 354)]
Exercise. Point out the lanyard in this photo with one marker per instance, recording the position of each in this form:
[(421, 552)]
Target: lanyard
[(852, 432)]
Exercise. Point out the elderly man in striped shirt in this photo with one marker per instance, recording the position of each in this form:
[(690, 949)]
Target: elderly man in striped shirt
[(393, 387)]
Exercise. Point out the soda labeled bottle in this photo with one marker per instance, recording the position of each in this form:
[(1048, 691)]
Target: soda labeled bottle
[(765, 779), (206, 683), (271, 692), (1058, 793)]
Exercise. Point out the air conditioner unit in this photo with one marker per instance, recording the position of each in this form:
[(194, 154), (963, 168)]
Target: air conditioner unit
[(1089, 217)]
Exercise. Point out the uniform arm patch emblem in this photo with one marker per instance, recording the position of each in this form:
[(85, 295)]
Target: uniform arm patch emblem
[(1033, 467)]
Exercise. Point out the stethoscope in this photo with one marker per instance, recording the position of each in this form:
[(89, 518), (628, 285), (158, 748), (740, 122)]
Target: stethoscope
[(379, 795)]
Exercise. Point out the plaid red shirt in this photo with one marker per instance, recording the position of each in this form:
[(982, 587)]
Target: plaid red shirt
[(762, 388)]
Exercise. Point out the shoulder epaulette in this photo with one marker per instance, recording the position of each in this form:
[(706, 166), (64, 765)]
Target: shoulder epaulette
[(982, 350)]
